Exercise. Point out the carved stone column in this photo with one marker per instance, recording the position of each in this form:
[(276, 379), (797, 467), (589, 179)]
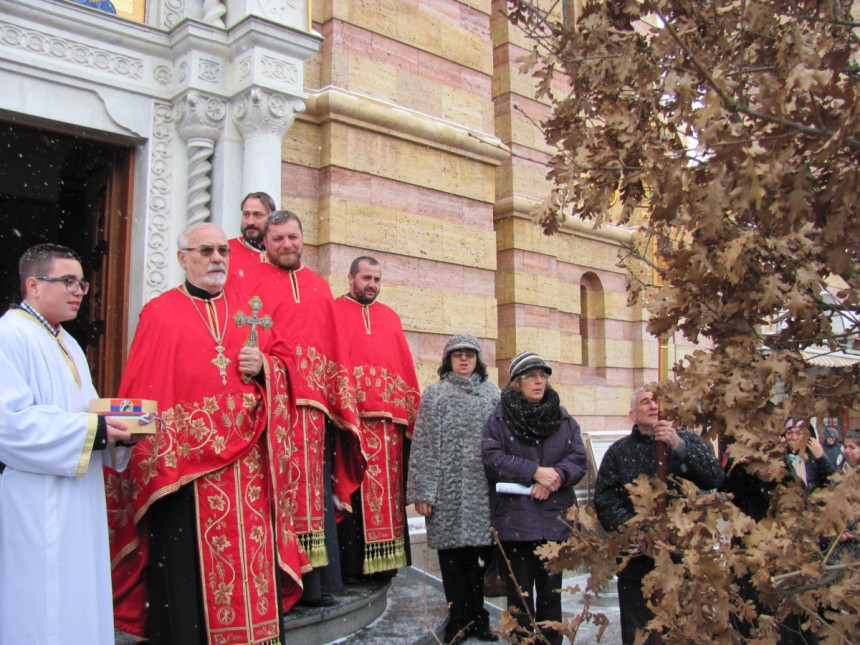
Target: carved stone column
[(213, 12), (199, 120), (263, 117)]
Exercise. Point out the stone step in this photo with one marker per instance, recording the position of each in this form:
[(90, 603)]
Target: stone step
[(410, 610), (415, 614)]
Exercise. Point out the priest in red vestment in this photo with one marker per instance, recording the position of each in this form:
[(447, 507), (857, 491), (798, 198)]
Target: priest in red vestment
[(248, 250), (302, 307), (200, 519), (374, 538)]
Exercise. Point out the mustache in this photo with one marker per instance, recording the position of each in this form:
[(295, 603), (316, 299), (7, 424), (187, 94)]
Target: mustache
[(217, 268)]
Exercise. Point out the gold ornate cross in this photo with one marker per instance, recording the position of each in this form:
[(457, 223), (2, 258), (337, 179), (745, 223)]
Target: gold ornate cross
[(254, 321)]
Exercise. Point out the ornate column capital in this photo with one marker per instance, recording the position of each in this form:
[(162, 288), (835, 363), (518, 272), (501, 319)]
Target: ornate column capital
[(260, 112), (199, 116)]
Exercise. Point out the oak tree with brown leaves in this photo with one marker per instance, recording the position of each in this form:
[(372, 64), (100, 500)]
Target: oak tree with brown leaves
[(729, 135)]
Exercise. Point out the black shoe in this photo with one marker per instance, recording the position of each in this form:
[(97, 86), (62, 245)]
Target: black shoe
[(484, 634), (326, 600), (455, 636)]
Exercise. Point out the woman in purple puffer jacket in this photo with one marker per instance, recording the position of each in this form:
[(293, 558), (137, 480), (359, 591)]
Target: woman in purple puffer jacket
[(531, 441)]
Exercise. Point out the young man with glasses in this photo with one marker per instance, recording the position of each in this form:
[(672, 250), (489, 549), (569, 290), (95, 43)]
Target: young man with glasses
[(54, 558)]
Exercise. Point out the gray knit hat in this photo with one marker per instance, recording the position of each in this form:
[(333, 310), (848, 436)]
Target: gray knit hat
[(524, 361), (462, 341)]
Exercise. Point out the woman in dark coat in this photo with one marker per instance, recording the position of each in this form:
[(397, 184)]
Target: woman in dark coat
[(752, 495), (532, 441)]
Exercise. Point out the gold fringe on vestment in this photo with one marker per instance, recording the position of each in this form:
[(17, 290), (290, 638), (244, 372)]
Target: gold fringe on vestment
[(384, 556), (314, 546)]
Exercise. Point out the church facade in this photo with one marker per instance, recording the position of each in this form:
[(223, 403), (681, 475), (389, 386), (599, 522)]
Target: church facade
[(400, 129)]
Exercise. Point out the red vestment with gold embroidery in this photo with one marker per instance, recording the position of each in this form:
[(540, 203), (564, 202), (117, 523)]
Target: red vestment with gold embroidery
[(320, 385), (388, 399), (224, 437)]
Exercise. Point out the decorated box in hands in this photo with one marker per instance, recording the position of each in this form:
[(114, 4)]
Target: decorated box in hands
[(137, 414)]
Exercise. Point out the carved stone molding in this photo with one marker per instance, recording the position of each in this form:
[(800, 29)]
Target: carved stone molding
[(158, 220), (199, 121), (70, 51), (208, 70), (260, 112), (163, 74), (279, 70), (174, 12)]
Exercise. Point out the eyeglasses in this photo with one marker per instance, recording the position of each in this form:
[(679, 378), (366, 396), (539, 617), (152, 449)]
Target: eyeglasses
[(207, 251), (534, 375), (72, 284), (464, 353)]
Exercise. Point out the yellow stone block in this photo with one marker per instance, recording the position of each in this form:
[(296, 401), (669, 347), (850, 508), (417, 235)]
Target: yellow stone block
[(423, 312), (615, 304), (465, 108), (466, 48), (529, 178), (468, 246), (367, 76), (467, 312), (585, 398), (418, 93), (618, 353), (301, 145), (506, 343), (546, 342), (419, 237), (427, 374), (419, 29), (333, 225), (374, 15), (484, 6), (409, 162), (568, 297), (645, 353), (571, 349)]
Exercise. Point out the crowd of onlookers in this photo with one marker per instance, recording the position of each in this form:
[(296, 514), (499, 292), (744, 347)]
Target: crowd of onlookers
[(510, 459)]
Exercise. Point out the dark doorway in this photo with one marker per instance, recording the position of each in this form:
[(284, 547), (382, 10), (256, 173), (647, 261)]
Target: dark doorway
[(76, 192)]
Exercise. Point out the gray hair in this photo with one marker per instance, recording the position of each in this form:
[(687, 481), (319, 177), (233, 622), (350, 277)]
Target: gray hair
[(182, 238), (636, 393)]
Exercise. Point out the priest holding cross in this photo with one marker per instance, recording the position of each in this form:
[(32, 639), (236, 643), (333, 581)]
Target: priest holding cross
[(198, 522)]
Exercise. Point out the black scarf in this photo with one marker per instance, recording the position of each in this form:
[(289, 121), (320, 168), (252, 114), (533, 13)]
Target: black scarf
[(531, 423)]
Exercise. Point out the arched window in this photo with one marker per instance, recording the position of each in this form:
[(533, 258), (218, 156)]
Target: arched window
[(592, 316)]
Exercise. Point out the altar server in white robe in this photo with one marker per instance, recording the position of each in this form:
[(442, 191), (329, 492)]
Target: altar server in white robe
[(55, 584)]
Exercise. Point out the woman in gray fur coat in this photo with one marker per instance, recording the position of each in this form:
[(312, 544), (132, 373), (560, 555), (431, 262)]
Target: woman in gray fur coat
[(447, 484)]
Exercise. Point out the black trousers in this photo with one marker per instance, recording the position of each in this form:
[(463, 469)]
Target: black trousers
[(463, 581), (538, 583), (327, 579), (634, 611)]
